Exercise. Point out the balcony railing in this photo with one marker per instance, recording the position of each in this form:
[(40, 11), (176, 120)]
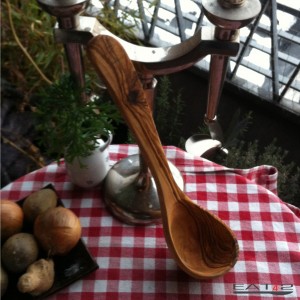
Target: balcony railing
[(268, 62)]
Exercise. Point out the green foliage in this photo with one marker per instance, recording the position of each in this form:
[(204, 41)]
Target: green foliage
[(27, 43), (168, 113), (237, 128), (247, 155), (120, 22), (244, 155), (69, 127), (289, 173), (32, 28)]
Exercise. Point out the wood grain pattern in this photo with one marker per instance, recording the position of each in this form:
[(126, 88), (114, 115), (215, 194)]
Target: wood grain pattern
[(202, 245)]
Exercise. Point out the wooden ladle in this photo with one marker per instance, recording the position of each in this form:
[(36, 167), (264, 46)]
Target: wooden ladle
[(202, 245)]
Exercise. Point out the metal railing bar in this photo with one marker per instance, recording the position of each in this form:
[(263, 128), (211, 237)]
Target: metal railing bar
[(274, 56), (171, 9), (281, 33), (248, 40), (200, 20), (143, 19), (154, 19), (116, 7), (162, 25), (289, 83), (281, 55), (288, 9), (165, 6), (179, 19), (268, 74), (289, 37)]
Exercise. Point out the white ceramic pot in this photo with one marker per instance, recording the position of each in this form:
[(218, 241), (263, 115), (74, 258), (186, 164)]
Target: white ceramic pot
[(90, 171)]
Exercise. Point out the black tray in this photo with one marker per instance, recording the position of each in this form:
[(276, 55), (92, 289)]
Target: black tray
[(68, 269)]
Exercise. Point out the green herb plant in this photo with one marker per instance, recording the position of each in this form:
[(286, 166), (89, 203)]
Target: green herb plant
[(68, 127)]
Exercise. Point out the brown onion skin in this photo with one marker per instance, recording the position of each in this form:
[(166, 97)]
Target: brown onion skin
[(12, 218), (57, 230)]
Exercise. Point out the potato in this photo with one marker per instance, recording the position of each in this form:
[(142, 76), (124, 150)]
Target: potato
[(38, 202), (19, 251), (39, 278)]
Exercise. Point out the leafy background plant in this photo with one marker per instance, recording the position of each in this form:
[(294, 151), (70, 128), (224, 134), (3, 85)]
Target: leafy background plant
[(249, 154), (169, 113), (30, 59), (122, 23)]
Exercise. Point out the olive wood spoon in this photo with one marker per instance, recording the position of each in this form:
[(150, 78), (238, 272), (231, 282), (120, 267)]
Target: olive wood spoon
[(202, 245)]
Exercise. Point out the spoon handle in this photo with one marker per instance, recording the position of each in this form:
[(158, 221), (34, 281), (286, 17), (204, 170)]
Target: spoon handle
[(113, 65)]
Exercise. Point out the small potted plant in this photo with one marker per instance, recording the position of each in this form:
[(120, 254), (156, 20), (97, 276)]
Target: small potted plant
[(78, 131)]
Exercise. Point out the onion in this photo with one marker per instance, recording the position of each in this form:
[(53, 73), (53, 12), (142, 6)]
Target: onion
[(12, 217), (57, 230)]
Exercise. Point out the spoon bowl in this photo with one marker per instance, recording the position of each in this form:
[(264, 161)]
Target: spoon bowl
[(202, 244), (193, 241), (202, 145)]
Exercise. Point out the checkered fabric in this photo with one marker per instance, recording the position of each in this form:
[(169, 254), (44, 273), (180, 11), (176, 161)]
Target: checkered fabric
[(134, 262)]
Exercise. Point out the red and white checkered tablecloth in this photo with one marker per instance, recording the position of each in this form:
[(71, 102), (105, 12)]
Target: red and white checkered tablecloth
[(134, 262)]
